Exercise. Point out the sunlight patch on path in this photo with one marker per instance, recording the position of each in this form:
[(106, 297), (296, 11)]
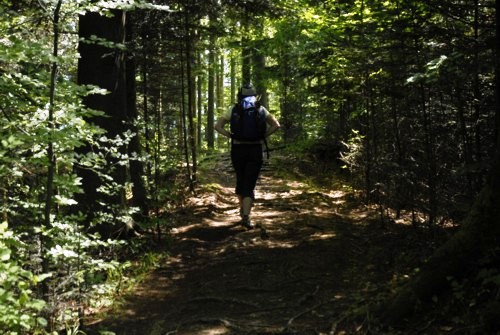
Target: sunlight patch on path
[(322, 236)]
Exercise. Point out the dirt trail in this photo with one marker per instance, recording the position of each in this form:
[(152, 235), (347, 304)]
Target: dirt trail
[(311, 261)]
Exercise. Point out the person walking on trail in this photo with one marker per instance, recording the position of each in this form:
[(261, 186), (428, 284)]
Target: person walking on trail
[(250, 125)]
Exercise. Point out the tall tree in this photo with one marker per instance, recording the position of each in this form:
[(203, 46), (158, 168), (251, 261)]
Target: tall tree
[(103, 63), (191, 87), (199, 101), (211, 84), (136, 165)]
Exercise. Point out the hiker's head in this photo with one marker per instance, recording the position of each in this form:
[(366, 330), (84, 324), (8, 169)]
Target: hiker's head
[(247, 90)]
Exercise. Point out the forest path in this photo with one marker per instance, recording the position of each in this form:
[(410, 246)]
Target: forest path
[(312, 261)]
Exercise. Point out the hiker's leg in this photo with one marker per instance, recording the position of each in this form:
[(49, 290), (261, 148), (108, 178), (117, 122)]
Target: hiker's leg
[(240, 202), (246, 206), (251, 174), (247, 163), (252, 170), (237, 159)]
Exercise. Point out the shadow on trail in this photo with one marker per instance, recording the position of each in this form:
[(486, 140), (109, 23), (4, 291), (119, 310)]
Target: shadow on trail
[(306, 266), (213, 234)]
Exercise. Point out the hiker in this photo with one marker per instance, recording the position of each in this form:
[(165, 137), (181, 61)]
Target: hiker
[(250, 125)]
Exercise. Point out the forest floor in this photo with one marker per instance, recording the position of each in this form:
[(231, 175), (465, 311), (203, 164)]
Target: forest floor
[(317, 257)]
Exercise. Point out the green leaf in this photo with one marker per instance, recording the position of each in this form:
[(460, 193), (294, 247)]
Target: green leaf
[(39, 278), (4, 254), (42, 322), (65, 201), (23, 298), (37, 304), (15, 142), (3, 226)]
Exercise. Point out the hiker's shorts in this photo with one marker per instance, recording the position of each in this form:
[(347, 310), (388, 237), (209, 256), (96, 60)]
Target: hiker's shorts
[(247, 162)]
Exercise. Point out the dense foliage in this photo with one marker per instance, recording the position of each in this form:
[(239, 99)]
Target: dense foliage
[(405, 91), (400, 93)]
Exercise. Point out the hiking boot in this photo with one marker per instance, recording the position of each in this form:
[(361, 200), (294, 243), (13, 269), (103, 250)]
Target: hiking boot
[(245, 222)]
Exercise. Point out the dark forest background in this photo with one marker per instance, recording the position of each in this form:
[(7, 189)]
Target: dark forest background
[(107, 109)]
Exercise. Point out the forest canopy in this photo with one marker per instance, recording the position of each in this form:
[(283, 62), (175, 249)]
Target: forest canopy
[(108, 107)]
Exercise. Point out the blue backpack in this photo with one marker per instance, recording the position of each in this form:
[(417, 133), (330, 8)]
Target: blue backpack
[(248, 122)]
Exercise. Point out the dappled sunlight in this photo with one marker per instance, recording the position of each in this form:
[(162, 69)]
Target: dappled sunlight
[(212, 200), (306, 261), (208, 330), (266, 195), (361, 214), (255, 242), (335, 194), (286, 214), (182, 229), (267, 214), (322, 236), (220, 221), (280, 244)]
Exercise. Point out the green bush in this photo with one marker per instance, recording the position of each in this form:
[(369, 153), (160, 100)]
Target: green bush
[(19, 309)]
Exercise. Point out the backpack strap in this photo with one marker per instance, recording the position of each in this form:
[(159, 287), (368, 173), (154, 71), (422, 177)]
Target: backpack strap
[(239, 109)]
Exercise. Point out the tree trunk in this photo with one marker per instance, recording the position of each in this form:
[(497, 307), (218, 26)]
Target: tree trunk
[(211, 91), (184, 116), (232, 100), (246, 52), (497, 77), (145, 105), (92, 67), (191, 91), (477, 89), (219, 94), (246, 57), (51, 157), (139, 193), (105, 67), (199, 105), (220, 85), (259, 66), (464, 136), (289, 104)]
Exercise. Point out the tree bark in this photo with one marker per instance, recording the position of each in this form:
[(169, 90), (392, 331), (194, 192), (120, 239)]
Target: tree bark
[(497, 76), (199, 104), (246, 52), (232, 100), (184, 116), (211, 90), (191, 95), (259, 65), (105, 66), (51, 157)]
